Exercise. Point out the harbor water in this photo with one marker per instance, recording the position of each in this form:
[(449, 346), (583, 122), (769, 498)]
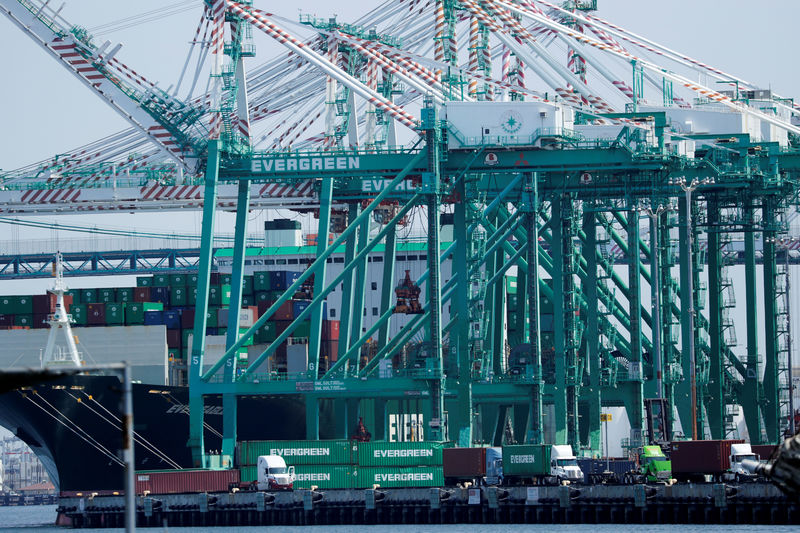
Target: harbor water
[(42, 518)]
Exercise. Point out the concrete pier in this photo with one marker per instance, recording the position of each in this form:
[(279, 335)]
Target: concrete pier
[(750, 503)]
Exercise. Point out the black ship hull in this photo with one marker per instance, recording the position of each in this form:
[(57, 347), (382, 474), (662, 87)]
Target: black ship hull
[(72, 425)]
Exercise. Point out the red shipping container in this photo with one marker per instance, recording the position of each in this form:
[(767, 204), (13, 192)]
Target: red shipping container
[(692, 457), (281, 325), (6, 320), (67, 302), (464, 462), (96, 314), (330, 348), (141, 294), (214, 279), (173, 338), (330, 330), (40, 321), (43, 303), (284, 312), (763, 451), (264, 305), (187, 319), (186, 481)]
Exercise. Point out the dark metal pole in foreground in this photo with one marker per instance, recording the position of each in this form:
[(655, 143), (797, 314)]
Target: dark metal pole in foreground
[(127, 450)]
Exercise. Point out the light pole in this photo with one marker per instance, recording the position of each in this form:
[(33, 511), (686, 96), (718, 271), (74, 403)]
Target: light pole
[(689, 189), (785, 244), (655, 293)]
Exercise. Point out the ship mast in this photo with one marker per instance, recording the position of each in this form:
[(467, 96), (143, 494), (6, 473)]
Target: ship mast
[(60, 321)]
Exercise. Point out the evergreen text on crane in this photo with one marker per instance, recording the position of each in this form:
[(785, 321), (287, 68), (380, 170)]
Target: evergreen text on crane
[(299, 164)]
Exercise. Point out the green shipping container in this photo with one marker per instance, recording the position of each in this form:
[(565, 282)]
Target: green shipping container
[(191, 296), (398, 477), (219, 295), (134, 311), (178, 296), (23, 320), (144, 281), (211, 317), (124, 295), (526, 459), (247, 285), (76, 295), (106, 295), (191, 280), (303, 330), (115, 313), (88, 296), (248, 300), (261, 281), (7, 305), (161, 280), (262, 296), (79, 314), (248, 474), (382, 453), (177, 280), (266, 333), (324, 476), (22, 305), (298, 452), (225, 279)]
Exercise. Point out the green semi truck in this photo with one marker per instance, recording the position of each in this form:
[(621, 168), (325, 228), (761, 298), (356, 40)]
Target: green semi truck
[(654, 467)]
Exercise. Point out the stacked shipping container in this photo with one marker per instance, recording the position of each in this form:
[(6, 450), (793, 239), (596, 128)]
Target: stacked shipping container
[(350, 464), (169, 300)]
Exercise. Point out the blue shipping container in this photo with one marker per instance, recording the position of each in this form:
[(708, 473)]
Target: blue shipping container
[(280, 280), (153, 318), (160, 294), (597, 467), (172, 319), (298, 306)]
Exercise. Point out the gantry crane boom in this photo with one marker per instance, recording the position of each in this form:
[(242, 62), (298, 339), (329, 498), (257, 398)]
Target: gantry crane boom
[(169, 123)]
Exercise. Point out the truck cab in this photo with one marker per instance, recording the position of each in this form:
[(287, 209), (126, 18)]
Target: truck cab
[(654, 465), (494, 466), (564, 464), (739, 453), (273, 473)]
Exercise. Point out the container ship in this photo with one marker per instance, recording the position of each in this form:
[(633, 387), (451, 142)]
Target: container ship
[(151, 327)]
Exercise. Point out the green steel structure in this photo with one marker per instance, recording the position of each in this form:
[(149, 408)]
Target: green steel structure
[(579, 336), (532, 365), (600, 354)]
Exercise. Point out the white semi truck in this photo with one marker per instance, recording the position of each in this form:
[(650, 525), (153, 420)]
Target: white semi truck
[(273, 474)]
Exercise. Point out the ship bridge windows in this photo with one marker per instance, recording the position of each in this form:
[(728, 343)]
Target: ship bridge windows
[(280, 261), (294, 261), (377, 259), (269, 262), (338, 259), (374, 285)]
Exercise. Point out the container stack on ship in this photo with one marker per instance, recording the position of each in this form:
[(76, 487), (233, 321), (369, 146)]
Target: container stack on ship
[(474, 298)]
